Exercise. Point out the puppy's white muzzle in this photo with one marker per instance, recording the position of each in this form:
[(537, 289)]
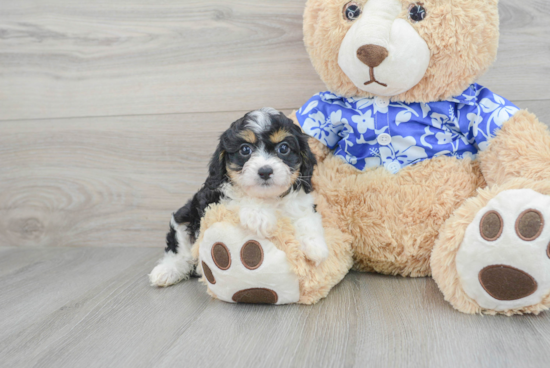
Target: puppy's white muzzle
[(254, 181)]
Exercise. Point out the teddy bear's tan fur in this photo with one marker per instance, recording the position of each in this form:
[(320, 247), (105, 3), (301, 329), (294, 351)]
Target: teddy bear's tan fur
[(315, 281), (397, 220), (469, 28), (416, 222), (443, 258)]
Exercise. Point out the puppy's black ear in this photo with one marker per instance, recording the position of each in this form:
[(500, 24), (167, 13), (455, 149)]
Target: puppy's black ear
[(308, 161), (217, 172)]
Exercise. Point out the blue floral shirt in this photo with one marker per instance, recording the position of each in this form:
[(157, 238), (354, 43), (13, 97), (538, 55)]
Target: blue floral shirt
[(372, 132)]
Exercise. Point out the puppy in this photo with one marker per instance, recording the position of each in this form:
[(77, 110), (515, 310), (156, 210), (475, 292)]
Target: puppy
[(263, 167)]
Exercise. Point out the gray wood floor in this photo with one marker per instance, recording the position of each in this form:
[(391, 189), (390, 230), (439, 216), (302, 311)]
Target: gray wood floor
[(89, 307), (109, 111)]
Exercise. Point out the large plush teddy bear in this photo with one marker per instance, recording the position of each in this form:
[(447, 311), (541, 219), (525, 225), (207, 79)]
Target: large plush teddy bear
[(425, 171)]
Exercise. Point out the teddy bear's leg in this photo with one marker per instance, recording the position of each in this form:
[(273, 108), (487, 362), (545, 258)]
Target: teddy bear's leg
[(241, 267), (493, 254)]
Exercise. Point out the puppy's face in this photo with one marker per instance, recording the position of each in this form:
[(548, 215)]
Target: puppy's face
[(265, 154)]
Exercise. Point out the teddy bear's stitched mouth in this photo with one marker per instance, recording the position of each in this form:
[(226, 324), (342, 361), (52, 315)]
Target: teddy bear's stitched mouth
[(373, 79)]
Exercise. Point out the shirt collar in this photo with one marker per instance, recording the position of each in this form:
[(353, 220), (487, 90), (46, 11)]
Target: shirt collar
[(468, 97)]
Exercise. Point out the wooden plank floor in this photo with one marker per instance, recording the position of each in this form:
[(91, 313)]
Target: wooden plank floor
[(89, 307), (109, 111)]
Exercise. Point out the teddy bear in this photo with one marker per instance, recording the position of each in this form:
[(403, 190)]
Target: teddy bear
[(421, 171), (242, 266), (430, 173)]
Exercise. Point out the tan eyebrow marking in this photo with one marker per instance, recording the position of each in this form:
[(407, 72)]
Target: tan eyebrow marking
[(232, 171), (249, 136), (232, 167), (279, 136)]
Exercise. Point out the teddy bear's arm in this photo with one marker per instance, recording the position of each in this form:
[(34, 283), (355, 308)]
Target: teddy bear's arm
[(521, 149)]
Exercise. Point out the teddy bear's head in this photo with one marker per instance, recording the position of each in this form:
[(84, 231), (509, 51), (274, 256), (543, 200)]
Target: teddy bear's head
[(422, 51)]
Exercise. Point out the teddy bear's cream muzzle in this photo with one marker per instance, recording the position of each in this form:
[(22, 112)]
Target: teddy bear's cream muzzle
[(383, 54)]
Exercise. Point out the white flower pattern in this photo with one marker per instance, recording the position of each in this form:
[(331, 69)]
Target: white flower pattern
[(404, 150), (459, 127)]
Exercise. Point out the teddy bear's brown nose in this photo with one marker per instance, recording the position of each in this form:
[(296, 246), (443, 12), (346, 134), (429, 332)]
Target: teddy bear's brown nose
[(372, 55)]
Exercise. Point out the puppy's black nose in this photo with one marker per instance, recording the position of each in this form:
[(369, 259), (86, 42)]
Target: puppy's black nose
[(265, 172)]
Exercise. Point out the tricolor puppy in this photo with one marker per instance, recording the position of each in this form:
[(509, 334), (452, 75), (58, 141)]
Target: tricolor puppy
[(263, 166)]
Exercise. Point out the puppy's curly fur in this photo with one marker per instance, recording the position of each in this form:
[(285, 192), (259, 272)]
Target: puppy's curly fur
[(263, 154)]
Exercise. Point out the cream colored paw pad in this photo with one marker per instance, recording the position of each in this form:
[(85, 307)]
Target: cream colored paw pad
[(241, 267), (503, 261)]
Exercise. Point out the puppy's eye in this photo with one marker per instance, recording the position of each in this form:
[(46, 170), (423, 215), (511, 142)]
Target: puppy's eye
[(417, 12), (245, 150), (352, 11), (283, 149)]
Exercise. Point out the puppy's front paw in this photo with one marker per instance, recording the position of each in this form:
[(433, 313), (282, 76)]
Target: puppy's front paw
[(315, 248), (261, 221), (171, 270)]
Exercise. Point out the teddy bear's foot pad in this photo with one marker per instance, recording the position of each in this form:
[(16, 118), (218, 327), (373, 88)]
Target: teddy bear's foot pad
[(507, 283), (241, 267), (256, 296), (504, 259)]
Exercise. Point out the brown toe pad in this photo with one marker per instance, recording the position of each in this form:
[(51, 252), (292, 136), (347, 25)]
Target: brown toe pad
[(252, 255), (507, 283), (256, 296), (221, 256), (529, 225), (208, 273), (491, 226)]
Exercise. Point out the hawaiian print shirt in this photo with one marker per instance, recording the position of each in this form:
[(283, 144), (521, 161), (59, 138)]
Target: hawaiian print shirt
[(372, 132)]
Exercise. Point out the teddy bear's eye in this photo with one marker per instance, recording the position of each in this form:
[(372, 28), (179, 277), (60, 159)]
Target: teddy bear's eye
[(417, 12), (352, 11)]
